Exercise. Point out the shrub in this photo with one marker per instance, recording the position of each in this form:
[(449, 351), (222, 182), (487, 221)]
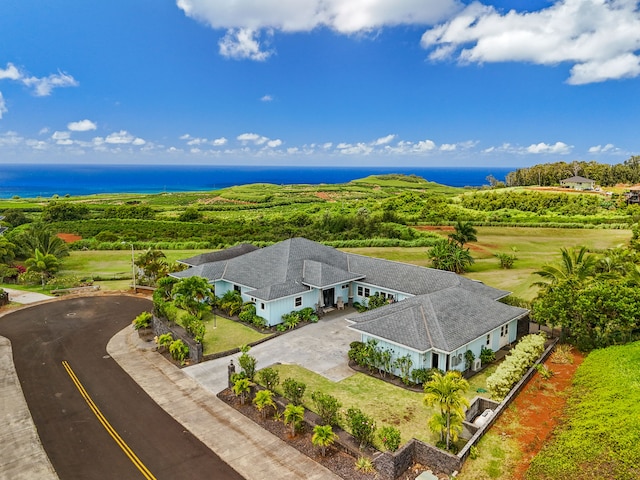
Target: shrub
[(327, 407), (510, 371), (363, 428), (269, 377), (179, 350), (487, 355), (294, 390), (291, 320), (164, 340), (142, 321), (390, 438), (247, 362), (562, 354), (420, 376)]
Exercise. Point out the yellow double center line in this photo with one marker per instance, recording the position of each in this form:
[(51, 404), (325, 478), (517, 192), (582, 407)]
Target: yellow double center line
[(121, 443)]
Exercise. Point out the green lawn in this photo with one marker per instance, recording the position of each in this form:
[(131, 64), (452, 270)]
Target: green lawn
[(386, 403)]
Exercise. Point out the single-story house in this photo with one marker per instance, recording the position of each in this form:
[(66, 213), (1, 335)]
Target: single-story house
[(578, 183), (432, 315)]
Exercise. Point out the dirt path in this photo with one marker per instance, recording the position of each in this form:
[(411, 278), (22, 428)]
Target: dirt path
[(534, 414)]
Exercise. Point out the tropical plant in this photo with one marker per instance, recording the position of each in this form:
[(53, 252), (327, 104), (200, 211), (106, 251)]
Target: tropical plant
[(231, 302), (294, 390), (447, 392), (164, 340), (364, 465), (575, 263), (450, 256), (192, 294), (7, 250), (464, 233), (194, 327), (164, 287), (142, 321), (153, 265), (293, 415), (263, 400), (39, 236), (363, 427), (179, 350), (469, 357), (390, 438), (43, 264), (241, 387), (323, 437), (247, 362), (327, 407), (404, 364), (487, 355)]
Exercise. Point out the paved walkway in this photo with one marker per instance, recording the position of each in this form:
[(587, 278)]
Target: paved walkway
[(24, 297), (252, 451)]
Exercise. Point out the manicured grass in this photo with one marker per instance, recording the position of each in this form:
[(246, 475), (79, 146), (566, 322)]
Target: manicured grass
[(534, 248), (386, 403), (601, 435), (223, 334)]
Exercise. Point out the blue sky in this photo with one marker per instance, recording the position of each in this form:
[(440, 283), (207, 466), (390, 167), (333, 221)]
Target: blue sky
[(319, 82)]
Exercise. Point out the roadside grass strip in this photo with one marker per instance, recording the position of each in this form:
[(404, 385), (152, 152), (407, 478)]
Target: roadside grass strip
[(101, 418)]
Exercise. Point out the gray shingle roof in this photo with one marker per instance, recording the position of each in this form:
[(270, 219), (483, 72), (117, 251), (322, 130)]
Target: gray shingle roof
[(577, 179), (298, 261), (445, 320), (219, 255)]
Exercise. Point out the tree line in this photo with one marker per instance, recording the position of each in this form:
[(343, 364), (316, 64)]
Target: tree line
[(550, 174)]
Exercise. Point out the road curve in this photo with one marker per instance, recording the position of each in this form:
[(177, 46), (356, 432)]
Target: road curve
[(81, 400)]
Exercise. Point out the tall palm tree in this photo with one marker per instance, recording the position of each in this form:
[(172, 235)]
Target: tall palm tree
[(323, 437), (575, 263), (447, 392), (153, 264)]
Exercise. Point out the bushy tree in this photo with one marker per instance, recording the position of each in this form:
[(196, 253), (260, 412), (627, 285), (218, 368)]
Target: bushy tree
[(327, 407), (450, 256), (192, 294), (294, 390)]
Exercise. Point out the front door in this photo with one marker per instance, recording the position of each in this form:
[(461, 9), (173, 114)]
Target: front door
[(329, 297), (434, 360)]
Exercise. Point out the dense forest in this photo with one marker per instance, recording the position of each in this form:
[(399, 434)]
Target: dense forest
[(550, 174)]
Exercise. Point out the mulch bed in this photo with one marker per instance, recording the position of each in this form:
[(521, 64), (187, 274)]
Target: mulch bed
[(336, 458)]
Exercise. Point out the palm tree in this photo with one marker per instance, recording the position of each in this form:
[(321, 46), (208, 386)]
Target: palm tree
[(447, 392), (575, 263), (293, 415), (7, 250), (153, 264), (44, 264), (450, 256), (464, 233), (264, 399), (38, 236), (323, 437), (192, 294)]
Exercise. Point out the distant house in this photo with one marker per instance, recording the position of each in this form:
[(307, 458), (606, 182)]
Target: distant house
[(432, 315), (633, 195), (578, 183)]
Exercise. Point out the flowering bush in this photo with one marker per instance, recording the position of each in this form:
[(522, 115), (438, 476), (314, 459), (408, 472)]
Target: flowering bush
[(514, 366), (294, 390), (390, 438), (363, 428)]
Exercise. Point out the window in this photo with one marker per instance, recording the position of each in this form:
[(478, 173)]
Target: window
[(298, 302), (345, 287), (489, 339), (261, 305), (367, 292), (237, 288), (504, 330), (359, 291)]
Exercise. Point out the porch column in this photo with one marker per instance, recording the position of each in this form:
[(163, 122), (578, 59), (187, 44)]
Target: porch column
[(350, 299)]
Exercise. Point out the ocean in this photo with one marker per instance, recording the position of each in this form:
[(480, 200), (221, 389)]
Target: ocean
[(38, 180)]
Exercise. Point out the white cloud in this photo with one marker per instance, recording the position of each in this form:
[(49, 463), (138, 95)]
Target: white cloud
[(119, 138), (43, 86), (138, 142), (82, 126), (245, 19), (44, 131), (274, 143), (61, 135), (384, 140), (243, 43), (448, 147), (609, 147), (3, 106), (344, 16), (557, 148), (267, 98), (218, 142), (357, 149), (252, 138), (10, 138), (600, 38), (10, 73)]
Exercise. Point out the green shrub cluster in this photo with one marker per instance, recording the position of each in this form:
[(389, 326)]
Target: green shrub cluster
[(514, 366)]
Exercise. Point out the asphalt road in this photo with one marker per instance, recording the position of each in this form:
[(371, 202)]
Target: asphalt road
[(93, 420)]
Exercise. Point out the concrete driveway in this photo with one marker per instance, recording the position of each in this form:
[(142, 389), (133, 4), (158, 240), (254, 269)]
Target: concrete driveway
[(24, 297), (321, 347)]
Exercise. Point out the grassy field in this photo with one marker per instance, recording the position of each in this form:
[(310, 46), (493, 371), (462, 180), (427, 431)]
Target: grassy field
[(388, 404), (534, 248)]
